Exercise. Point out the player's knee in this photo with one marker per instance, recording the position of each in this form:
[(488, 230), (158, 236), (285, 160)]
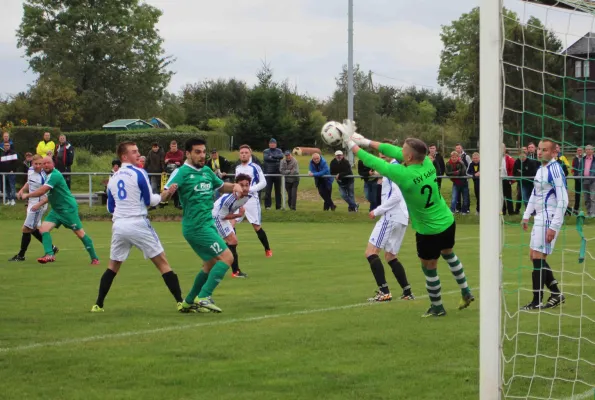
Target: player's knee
[(256, 228), (226, 257), (389, 257)]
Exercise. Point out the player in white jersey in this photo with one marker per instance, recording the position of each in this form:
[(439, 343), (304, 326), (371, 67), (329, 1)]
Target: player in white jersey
[(548, 203), (225, 210), (36, 207), (129, 195), (388, 235), (252, 207)]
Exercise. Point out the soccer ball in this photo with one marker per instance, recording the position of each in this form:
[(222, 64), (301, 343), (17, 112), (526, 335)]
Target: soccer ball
[(332, 133)]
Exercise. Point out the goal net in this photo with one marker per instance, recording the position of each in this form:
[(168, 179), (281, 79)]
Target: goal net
[(548, 85)]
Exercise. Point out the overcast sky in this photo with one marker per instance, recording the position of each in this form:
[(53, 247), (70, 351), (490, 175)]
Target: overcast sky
[(305, 41)]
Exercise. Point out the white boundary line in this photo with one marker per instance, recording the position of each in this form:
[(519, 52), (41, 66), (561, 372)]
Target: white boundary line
[(586, 395), (190, 326)]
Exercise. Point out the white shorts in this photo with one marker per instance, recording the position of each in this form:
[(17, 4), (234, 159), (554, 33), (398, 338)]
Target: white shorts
[(33, 219), (388, 235), (138, 232), (252, 214), (223, 226), (538, 232)]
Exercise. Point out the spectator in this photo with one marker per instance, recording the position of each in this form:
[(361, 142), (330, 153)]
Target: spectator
[(173, 158), (370, 184), (6, 139), (46, 147), (341, 169), (562, 160), (455, 168), (9, 164), (28, 162), (289, 167), (589, 181), (141, 162), (438, 161), (272, 159), (155, 164), (525, 168), (473, 170), (531, 151), (506, 170), (220, 165), (466, 160), (64, 158), (319, 170), (116, 165), (577, 171)]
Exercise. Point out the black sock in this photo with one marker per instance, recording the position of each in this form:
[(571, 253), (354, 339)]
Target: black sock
[(538, 278), (173, 284), (37, 235), (550, 281), (262, 236), (400, 274), (235, 267), (378, 272), (25, 240), (104, 285)]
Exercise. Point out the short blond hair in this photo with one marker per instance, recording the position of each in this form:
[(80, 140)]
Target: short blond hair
[(454, 153), (475, 154), (36, 157)]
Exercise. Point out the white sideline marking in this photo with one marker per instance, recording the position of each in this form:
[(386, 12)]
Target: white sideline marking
[(184, 327), (586, 395)]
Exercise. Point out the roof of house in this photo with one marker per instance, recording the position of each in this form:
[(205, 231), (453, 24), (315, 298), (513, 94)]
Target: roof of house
[(120, 123), (583, 46)]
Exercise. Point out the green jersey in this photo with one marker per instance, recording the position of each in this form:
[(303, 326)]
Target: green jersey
[(196, 188), (60, 197), (428, 211)]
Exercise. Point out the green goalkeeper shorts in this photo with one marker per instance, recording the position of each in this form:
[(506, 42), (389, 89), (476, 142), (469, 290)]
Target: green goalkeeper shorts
[(68, 220), (205, 241)]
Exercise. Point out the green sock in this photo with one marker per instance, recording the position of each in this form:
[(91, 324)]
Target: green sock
[(433, 286), (215, 277), (199, 282), (46, 240), (456, 267), (88, 243)]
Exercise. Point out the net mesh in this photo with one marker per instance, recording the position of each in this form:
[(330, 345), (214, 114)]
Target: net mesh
[(548, 92)]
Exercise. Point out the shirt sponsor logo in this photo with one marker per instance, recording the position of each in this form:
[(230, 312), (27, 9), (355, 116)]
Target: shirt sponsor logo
[(203, 187)]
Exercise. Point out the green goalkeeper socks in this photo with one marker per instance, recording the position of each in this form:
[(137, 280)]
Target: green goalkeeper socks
[(433, 286), (88, 243), (215, 277), (46, 240), (456, 267), (199, 281)]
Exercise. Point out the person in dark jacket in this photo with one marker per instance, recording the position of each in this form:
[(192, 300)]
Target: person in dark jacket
[(9, 163), (64, 157), (155, 164), (457, 171), (473, 170), (291, 169), (370, 184), (438, 161), (318, 169), (340, 168), (577, 171), (272, 159), (220, 165), (526, 168)]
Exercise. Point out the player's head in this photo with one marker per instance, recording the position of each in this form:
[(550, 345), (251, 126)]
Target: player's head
[(37, 163), (245, 153), (546, 150), (454, 156), (196, 151), (475, 157), (128, 152), (48, 164), (244, 181), (414, 151)]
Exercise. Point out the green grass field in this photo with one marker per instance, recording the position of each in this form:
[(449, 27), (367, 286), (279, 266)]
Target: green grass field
[(298, 328)]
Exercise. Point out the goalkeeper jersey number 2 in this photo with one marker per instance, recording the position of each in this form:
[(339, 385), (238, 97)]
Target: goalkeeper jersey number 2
[(418, 182)]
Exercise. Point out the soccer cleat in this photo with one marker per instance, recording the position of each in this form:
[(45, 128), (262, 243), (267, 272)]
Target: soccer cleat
[(268, 253), (209, 304), (95, 261), (466, 300), (239, 274), (96, 308), (531, 306), (55, 250), (435, 311), (381, 297), (554, 301), (46, 259), (186, 308), (17, 258), (407, 296)]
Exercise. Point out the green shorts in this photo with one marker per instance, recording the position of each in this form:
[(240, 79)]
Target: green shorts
[(205, 242), (69, 220)]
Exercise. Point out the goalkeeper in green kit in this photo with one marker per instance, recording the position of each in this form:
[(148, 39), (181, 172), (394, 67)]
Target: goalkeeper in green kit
[(431, 218)]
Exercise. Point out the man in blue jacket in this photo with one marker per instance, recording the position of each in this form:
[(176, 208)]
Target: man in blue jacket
[(272, 160), (318, 169)]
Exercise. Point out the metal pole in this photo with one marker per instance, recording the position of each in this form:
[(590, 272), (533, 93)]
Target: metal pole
[(3, 189), (350, 89), (90, 191), (283, 193)]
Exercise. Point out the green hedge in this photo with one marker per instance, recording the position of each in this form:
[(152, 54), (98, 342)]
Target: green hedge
[(26, 138)]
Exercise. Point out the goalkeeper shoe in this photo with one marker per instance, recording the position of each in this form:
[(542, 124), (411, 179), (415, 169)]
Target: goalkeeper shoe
[(17, 258), (46, 259), (186, 308), (96, 308), (209, 304), (466, 300), (531, 306), (381, 297), (554, 301), (435, 311)]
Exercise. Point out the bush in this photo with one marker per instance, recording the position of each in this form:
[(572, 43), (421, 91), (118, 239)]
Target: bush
[(186, 128), (26, 138)]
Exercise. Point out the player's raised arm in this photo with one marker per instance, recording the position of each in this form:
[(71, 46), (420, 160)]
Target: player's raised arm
[(379, 165)]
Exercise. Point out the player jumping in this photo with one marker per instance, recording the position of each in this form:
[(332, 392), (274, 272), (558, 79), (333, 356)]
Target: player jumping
[(388, 234), (431, 218), (548, 201), (224, 213), (65, 211), (129, 195), (252, 207), (196, 186), (36, 207)]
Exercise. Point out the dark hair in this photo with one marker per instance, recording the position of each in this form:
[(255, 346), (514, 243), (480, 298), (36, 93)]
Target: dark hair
[(123, 148), (116, 162), (173, 142), (245, 146), (432, 145), (190, 143), (420, 150), (243, 177)]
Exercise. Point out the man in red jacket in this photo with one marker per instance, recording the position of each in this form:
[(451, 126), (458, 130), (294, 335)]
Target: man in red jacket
[(507, 170)]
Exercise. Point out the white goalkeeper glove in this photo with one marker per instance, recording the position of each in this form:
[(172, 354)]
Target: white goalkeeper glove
[(351, 137)]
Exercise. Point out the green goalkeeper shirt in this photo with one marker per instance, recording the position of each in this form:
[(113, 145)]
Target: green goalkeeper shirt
[(428, 211), (59, 196)]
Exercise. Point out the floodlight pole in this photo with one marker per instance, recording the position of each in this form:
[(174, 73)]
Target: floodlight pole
[(350, 91)]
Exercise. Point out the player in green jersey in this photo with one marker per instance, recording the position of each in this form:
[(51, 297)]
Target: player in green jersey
[(430, 216), (196, 186), (64, 211)]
